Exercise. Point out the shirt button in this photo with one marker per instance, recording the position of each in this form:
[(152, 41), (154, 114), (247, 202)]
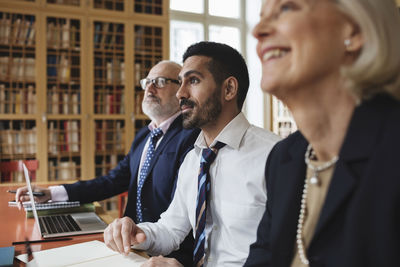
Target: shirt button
[(215, 228)]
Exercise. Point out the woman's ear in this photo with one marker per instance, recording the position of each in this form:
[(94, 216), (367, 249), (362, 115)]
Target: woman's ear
[(353, 40), (231, 88)]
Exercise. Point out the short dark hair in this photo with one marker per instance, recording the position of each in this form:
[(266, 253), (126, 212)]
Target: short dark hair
[(225, 62)]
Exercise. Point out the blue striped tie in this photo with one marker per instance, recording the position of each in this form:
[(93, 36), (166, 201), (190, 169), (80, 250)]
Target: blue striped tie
[(204, 184), (154, 136)]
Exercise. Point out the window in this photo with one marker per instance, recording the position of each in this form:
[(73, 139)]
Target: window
[(214, 20), (225, 8), (183, 34), (187, 6), (224, 21), (225, 34)]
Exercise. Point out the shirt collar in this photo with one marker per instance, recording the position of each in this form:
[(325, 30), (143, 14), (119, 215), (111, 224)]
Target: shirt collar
[(231, 135), (165, 124)]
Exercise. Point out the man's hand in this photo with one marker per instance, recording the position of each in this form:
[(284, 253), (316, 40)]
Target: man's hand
[(121, 234), (162, 262), (22, 195)]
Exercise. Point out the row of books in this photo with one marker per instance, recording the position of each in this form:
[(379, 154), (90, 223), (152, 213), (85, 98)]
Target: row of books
[(148, 39), (113, 71), (22, 141), (148, 7), (109, 136), (139, 95), (285, 128), (59, 102), (110, 4), (63, 170), (110, 204), (108, 35), (14, 176), (59, 67), (17, 68), (63, 136), (63, 34), (138, 73), (17, 100), (109, 103), (65, 2), (106, 165), (17, 30)]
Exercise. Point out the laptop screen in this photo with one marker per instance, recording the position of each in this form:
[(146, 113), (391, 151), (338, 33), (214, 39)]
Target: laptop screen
[(28, 184)]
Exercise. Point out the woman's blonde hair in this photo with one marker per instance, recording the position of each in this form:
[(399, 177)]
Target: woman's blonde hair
[(377, 67)]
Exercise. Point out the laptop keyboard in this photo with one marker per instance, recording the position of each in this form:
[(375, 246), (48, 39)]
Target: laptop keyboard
[(58, 224)]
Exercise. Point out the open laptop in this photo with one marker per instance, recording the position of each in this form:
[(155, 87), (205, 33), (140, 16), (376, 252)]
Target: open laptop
[(64, 224)]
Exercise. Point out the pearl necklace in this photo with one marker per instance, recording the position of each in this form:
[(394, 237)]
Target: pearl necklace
[(316, 169), (314, 181)]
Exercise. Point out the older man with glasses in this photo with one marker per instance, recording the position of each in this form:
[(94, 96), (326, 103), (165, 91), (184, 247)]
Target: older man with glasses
[(149, 171)]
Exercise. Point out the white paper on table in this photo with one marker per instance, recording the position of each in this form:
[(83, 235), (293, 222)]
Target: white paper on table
[(87, 254)]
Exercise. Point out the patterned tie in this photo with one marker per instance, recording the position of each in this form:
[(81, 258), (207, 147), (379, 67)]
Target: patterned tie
[(204, 184), (154, 136)]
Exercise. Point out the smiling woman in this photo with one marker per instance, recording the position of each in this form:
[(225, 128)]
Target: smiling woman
[(333, 185), (300, 42)]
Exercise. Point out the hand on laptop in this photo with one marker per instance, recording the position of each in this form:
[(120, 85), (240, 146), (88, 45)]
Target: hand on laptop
[(121, 234), (22, 195), (162, 262)]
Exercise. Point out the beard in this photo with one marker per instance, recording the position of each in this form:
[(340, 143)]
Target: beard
[(200, 116), (153, 108)]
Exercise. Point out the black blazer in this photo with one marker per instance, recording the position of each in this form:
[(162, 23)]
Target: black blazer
[(159, 187), (359, 225)]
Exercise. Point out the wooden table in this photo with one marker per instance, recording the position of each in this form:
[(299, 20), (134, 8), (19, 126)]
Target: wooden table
[(14, 226)]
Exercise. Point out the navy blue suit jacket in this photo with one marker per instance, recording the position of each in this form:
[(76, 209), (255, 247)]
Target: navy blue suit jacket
[(359, 224), (159, 187)]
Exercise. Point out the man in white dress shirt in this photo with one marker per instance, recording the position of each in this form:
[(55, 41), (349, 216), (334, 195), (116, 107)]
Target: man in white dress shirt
[(214, 83)]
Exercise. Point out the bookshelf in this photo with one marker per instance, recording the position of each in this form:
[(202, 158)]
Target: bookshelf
[(70, 97), (64, 2), (109, 68), (18, 98)]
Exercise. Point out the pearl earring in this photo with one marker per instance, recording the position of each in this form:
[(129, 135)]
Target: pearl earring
[(347, 42)]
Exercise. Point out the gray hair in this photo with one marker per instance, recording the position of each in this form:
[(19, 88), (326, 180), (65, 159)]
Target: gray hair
[(377, 67)]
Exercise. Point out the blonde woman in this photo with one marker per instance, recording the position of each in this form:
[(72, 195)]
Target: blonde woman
[(333, 186)]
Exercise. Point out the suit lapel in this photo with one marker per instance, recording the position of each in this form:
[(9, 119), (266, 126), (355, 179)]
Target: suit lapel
[(171, 132), (358, 146), (287, 198), (342, 184)]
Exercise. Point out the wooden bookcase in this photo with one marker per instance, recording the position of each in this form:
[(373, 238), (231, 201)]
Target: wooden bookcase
[(69, 82)]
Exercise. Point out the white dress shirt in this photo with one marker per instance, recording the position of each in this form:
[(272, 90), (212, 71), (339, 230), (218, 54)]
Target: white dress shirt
[(236, 202)]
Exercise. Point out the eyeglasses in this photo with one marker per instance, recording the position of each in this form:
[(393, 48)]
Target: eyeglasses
[(158, 82)]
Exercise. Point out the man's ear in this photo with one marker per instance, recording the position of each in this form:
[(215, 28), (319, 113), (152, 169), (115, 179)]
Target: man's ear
[(231, 87)]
